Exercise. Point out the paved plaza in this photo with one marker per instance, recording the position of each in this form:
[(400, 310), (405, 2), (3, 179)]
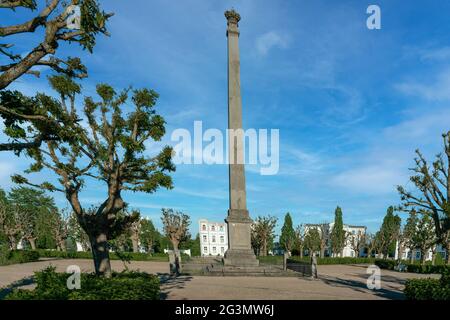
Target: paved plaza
[(335, 282)]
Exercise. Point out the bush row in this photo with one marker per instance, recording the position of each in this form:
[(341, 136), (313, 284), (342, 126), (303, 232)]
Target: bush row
[(414, 268), (429, 289), (129, 285), (17, 256), (320, 261), (133, 256)]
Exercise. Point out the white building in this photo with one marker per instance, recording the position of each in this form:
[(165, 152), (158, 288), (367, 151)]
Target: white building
[(353, 234), (416, 254), (213, 238)]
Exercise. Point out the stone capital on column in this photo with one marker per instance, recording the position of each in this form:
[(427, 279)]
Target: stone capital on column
[(233, 19)]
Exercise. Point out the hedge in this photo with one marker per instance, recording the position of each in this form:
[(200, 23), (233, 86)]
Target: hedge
[(429, 289), (17, 256), (133, 256), (128, 285), (414, 268), (320, 261)]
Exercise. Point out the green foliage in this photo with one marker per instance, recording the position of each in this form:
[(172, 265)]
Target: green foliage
[(287, 237), (429, 289), (412, 267), (312, 240), (263, 234), (389, 233), (129, 285), (320, 261), (17, 256), (148, 234), (128, 256), (4, 253), (338, 234)]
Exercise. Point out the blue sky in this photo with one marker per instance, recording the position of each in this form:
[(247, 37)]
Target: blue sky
[(351, 104)]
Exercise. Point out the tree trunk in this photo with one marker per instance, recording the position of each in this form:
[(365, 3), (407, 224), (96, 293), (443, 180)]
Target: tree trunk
[(13, 242), (422, 257), (448, 252), (100, 253), (135, 242), (62, 245), (264, 249), (32, 242), (301, 252)]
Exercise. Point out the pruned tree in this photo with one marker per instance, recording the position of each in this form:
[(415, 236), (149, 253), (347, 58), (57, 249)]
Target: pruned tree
[(9, 221), (370, 244), (147, 235), (422, 234), (324, 238), (432, 194), (287, 236), (51, 22), (77, 234), (175, 226), (109, 148), (299, 241), (54, 20), (60, 228), (409, 232), (135, 230), (312, 240), (356, 241), (338, 233), (264, 233), (388, 233)]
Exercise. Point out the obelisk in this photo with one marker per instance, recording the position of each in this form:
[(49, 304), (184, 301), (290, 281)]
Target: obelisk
[(239, 252)]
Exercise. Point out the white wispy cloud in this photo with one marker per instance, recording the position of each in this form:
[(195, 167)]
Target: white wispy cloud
[(437, 89), (269, 40)]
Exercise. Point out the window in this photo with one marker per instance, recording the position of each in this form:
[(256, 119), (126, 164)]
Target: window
[(222, 250), (222, 239), (213, 228), (205, 249), (204, 227), (214, 249), (205, 238), (213, 238), (221, 228)]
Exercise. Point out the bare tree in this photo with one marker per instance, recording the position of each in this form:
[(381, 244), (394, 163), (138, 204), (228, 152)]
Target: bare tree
[(264, 229), (135, 230), (432, 194), (356, 241), (175, 224), (60, 228), (299, 242), (324, 237)]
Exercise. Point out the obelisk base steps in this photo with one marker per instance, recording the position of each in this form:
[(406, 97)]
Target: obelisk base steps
[(240, 252)]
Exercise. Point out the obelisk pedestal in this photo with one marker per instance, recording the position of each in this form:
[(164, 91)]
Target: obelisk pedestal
[(239, 251)]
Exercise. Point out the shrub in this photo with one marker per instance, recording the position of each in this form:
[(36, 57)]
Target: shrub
[(133, 256), (414, 268), (320, 261), (17, 256), (429, 289), (4, 253), (127, 285)]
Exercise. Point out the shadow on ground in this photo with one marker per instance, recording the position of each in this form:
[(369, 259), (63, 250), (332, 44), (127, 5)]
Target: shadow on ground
[(169, 283), (23, 282), (361, 286)]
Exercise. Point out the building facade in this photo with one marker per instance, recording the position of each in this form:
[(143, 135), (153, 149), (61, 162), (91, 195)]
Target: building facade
[(213, 238), (353, 240)]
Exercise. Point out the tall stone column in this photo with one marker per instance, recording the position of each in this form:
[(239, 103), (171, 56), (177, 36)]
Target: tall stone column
[(240, 252)]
